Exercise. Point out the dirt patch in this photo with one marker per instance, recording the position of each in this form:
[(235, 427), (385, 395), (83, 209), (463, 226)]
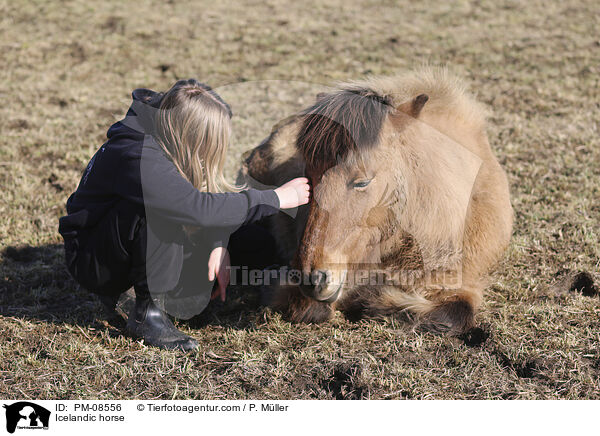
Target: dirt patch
[(57, 101), (53, 181), (114, 24), (18, 124), (476, 336), (575, 281), (344, 383)]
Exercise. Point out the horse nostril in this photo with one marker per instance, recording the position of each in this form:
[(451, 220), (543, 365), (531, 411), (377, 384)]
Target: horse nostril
[(318, 278), (314, 283)]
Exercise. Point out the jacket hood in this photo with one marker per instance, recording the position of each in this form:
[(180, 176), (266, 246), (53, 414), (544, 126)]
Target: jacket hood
[(139, 119)]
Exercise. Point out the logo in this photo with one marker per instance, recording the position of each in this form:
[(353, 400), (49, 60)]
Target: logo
[(89, 168), (26, 415)]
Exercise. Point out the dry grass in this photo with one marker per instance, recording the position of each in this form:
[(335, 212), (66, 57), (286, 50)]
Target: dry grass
[(68, 69)]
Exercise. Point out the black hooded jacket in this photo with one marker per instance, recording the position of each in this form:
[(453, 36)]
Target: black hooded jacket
[(132, 166)]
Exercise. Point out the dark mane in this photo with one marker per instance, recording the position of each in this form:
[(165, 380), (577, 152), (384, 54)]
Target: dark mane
[(340, 122)]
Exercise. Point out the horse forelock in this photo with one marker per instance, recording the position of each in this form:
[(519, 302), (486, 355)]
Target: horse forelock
[(348, 120)]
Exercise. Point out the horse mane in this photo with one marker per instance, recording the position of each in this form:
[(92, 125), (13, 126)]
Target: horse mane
[(340, 122), (350, 118), (448, 94)]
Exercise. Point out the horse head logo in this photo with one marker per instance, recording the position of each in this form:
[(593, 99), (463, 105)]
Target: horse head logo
[(28, 415)]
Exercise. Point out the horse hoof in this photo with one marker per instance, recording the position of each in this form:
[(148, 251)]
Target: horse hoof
[(452, 318), (310, 312)]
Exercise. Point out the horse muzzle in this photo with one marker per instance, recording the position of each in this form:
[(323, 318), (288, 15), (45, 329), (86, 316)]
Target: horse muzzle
[(319, 286)]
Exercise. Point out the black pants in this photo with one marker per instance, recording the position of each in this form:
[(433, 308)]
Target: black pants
[(129, 248)]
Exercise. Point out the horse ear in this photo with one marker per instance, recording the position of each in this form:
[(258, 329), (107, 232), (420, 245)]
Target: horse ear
[(414, 107), (321, 95)]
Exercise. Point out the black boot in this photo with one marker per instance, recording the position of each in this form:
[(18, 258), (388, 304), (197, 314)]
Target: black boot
[(146, 321), (118, 306), (109, 302)]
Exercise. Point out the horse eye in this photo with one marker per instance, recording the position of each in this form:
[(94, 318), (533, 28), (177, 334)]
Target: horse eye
[(361, 184)]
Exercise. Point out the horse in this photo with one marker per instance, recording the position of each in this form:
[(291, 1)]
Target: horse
[(410, 209)]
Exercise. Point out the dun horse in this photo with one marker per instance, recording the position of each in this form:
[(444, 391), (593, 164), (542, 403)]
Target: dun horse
[(410, 208)]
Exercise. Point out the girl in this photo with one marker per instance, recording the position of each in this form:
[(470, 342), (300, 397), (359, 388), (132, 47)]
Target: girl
[(160, 170)]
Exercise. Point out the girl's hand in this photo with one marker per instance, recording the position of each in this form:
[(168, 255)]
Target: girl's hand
[(219, 268), (294, 193)]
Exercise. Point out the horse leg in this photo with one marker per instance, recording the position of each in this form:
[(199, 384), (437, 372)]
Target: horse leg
[(446, 312)]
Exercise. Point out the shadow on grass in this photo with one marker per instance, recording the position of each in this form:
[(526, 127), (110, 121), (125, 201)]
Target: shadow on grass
[(35, 284)]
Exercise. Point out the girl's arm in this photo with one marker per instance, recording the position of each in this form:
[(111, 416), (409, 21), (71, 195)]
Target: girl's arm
[(166, 192)]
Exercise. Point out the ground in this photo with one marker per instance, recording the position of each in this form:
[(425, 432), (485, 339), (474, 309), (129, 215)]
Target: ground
[(68, 70)]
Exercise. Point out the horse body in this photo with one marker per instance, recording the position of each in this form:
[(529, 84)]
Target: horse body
[(410, 208)]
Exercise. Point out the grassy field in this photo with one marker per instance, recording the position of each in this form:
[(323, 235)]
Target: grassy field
[(68, 70)]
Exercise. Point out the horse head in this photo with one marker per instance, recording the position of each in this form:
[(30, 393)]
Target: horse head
[(378, 175)]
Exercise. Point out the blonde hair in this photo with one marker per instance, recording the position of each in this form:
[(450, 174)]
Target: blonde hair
[(193, 127)]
